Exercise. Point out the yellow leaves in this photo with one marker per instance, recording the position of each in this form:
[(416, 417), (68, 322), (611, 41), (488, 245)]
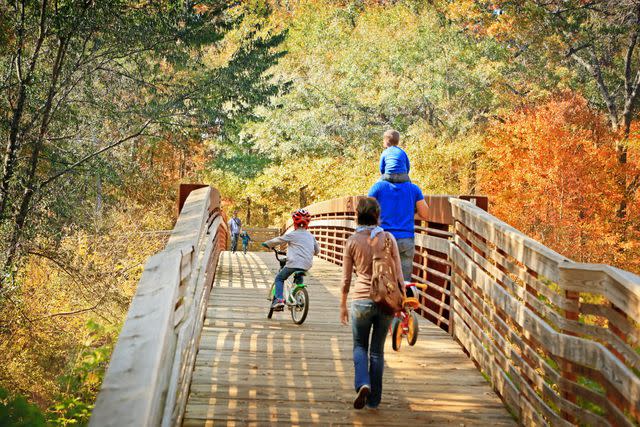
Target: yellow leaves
[(86, 270), (462, 9)]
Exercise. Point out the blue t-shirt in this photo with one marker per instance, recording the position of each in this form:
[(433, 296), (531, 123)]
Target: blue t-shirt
[(394, 160), (397, 206)]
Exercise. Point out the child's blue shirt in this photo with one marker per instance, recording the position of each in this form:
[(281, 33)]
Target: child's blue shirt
[(394, 160)]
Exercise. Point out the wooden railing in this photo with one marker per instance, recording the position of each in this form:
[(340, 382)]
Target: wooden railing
[(333, 221), (150, 370), (560, 341)]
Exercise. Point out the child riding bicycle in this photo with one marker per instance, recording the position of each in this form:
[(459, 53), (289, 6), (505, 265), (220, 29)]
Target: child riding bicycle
[(302, 246)]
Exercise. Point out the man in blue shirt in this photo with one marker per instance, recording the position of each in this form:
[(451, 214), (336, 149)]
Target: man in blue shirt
[(399, 203)]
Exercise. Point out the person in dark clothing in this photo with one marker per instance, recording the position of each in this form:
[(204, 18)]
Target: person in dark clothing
[(235, 225)]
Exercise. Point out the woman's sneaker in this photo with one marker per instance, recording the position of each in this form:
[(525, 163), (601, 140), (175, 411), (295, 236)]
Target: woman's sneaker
[(361, 397)]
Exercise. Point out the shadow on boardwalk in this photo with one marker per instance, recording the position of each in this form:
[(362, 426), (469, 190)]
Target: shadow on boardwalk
[(251, 370)]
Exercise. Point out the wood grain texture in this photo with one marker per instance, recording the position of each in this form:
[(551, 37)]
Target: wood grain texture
[(520, 311), (148, 376), (251, 370)]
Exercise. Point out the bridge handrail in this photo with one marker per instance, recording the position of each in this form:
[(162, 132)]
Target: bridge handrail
[(151, 366), (559, 340), (333, 221)]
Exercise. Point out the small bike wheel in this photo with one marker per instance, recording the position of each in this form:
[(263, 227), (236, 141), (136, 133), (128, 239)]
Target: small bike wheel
[(300, 308), (396, 334), (413, 328)]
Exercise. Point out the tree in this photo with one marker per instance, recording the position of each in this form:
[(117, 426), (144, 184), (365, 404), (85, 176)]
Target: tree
[(597, 40), (82, 78), (551, 173)]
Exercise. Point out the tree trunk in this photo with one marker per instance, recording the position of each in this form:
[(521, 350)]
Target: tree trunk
[(11, 150), (29, 190), (303, 196), (473, 172), (248, 211), (24, 79)]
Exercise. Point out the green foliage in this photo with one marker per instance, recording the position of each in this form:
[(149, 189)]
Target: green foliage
[(82, 383), (355, 74), (126, 76), (350, 72), (17, 412)]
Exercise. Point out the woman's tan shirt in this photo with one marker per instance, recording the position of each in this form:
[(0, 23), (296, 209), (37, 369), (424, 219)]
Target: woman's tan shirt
[(358, 253)]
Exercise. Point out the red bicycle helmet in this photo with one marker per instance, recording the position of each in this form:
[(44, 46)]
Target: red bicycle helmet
[(301, 218)]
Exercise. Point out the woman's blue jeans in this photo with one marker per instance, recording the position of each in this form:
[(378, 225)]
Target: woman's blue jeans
[(368, 357)]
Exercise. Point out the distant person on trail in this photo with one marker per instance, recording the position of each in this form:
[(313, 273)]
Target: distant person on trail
[(235, 225), (399, 202), (245, 240), (301, 247), (394, 162), (368, 320)]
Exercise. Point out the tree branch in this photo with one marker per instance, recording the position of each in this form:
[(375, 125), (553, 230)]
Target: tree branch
[(94, 154), (596, 72), (69, 313)]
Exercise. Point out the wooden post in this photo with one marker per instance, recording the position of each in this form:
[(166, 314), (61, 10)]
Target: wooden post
[(303, 196), (566, 367)]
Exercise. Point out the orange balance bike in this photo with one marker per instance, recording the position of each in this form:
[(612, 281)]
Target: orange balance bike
[(405, 322)]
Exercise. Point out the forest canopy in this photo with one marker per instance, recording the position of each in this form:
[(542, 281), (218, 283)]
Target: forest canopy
[(106, 107)]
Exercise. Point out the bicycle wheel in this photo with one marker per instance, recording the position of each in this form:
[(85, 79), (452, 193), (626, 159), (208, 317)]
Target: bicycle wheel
[(396, 333), (412, 333), (270, 299), (300, 308)]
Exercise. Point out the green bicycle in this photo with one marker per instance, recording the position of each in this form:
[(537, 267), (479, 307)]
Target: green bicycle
[(296, 297)]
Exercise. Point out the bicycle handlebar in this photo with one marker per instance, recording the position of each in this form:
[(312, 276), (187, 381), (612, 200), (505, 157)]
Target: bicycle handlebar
[(277, 252)]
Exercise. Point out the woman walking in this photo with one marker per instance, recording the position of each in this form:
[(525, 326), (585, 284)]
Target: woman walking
[(367, 319)]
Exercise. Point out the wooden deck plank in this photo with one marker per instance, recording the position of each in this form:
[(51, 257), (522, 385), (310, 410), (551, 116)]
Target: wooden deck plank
[(255, 371)]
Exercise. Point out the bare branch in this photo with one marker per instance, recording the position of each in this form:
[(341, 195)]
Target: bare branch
[(596, 72), (69, 313), (94, 154)]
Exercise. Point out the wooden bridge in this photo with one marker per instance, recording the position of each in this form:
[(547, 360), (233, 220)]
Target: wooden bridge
[(512, 333)]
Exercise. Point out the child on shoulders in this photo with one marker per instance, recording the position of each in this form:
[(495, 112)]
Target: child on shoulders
[(394, 162)]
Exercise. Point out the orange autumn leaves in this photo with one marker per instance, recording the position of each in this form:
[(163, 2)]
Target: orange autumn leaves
[(551, 172)]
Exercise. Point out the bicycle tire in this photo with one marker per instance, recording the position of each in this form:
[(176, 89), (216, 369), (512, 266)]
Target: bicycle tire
[(414, 329), (396, 334), (301, 297)]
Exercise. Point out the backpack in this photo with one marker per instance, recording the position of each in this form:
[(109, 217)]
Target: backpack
[(386, 287)]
